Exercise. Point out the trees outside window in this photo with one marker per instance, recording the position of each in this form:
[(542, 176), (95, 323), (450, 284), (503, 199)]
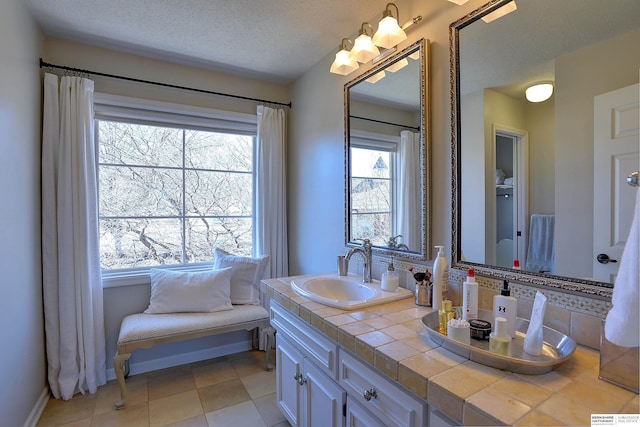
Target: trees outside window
[(170, 195)]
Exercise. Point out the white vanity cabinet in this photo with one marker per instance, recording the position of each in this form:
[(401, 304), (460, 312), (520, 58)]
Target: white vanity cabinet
[(378, 395), (306, 395), (320, 384)]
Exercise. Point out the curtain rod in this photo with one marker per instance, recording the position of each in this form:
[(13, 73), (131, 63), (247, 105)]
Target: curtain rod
[(131, 79), (386, 123)]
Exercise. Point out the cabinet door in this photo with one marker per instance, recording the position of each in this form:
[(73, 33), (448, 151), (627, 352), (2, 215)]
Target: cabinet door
[(288, 390), (357, 416), (323, 399)]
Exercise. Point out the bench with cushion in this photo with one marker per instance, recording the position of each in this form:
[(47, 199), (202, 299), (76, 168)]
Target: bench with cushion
[(146, 330), (187, 305)]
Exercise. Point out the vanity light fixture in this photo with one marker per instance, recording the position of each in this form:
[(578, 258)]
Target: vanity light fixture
[(539, 92), (363, 48), (344, 64), (389, 32), (500, 12), (459, 2)]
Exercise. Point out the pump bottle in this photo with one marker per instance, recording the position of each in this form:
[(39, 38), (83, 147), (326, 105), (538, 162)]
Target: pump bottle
[(470, 297), (390, 279), (440, 278), (504, 305)]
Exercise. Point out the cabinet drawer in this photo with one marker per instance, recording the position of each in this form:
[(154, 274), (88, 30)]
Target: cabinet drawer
[(313, 344), (392, 405), (357, 416)]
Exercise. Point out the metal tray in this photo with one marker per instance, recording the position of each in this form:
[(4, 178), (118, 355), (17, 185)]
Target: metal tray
[(556, 349)]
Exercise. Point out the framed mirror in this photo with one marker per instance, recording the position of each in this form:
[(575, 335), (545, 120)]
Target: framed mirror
[(538, 182), (387, 149)]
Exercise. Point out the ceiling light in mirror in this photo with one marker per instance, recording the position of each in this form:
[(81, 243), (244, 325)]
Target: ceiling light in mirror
[(499, 13), (539, 92), (376, 77), (398, 65)]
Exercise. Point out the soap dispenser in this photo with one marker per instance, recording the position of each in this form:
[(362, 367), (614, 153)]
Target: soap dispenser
[(504, 305), (390, 279)]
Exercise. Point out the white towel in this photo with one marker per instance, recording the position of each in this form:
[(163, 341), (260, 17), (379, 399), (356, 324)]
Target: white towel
[(623, 320), (541, 254)]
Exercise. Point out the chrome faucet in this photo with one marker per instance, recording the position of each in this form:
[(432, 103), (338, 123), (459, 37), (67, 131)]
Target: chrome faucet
[(366, 253), (393, 243)]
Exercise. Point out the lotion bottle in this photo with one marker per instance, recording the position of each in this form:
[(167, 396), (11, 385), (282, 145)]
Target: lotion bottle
[(390, 279), (504, 305), (440, 278), (499, 340), (470, 297)]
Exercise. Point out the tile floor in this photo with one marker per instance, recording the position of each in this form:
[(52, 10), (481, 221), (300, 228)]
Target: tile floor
[(232, 390)]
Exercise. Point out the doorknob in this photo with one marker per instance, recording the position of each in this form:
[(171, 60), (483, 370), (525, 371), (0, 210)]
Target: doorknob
[(604, 259)]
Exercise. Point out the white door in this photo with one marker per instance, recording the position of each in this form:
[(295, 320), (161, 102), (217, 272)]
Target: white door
[(288, 390), (357, 416), (616, 148), (323, 399)]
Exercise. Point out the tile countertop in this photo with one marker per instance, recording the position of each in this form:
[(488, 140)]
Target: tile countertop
[(391, 338)]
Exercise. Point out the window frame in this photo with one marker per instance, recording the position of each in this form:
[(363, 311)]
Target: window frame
[(117, 108)]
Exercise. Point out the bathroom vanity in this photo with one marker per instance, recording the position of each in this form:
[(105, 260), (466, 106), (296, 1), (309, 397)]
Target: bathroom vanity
[(377, 366)]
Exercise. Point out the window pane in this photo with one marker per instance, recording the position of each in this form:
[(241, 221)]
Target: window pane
[(370, 195), (218, 151), (132, 144), (130, 243), (205, 234), (376, 227), (134, 191), (218, 193), (370, 163)]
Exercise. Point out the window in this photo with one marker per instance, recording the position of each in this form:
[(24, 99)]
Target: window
[(170, 194), (371, 194)]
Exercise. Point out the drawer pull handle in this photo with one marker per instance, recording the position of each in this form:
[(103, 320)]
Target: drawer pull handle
[(370, 393)]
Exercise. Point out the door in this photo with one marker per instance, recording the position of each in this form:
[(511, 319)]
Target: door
[(357, 416), (288, 372), (616, 155), (323, 399)]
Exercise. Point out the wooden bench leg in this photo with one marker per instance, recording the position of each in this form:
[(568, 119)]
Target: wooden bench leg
[(119, 362), (268, 342)]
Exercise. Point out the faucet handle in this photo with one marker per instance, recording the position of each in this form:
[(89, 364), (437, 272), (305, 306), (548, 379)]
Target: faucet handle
[(366, 243), (393, 242)]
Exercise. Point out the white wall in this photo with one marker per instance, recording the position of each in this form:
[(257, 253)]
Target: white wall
[(22, 363), (316, 149)]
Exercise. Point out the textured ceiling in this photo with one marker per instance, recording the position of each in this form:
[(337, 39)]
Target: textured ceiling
[(275, 40)]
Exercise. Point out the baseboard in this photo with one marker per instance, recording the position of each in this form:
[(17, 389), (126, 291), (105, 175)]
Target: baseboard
[(183, 358), (36, 412)]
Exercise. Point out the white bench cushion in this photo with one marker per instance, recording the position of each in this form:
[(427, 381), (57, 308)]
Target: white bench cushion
[(144, 330)]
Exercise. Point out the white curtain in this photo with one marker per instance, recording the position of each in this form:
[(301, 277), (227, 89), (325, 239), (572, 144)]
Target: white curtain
[(407, 220), (271, 200), (72, 289)]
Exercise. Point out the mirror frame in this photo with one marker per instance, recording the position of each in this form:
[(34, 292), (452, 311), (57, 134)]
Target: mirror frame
[(582, 286), (422, 46)]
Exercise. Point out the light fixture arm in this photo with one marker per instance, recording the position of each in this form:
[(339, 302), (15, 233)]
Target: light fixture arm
[(363, 30), (343, 43), (387, 12)]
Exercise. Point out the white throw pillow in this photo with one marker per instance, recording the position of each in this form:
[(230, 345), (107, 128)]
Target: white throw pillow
[(245, 277), (189, 292)]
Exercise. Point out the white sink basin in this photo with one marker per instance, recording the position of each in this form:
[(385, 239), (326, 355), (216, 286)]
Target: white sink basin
[(345, 292)]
